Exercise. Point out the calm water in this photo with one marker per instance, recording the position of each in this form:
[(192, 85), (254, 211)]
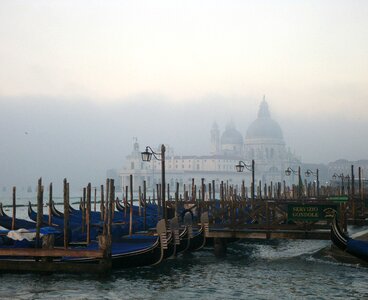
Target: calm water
[(262, 270)]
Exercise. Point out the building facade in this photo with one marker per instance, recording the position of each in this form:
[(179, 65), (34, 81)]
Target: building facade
[(263, 143)]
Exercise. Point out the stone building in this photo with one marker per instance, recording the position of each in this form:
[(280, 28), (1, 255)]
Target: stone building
[(263, 142)]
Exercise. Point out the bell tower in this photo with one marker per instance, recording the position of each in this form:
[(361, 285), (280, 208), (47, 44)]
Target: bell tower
[(215, 139)]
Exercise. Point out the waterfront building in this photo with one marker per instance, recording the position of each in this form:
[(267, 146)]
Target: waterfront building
[(263, 142)]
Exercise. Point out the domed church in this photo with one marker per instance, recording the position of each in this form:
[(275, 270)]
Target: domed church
[(263, 142)]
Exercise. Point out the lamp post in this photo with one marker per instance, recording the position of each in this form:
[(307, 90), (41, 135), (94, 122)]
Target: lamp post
[(290, 171), (147, 156), (309, 173), (240, 168), (335, 176)]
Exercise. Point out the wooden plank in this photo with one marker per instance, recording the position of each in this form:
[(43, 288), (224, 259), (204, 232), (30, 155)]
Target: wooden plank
[(264, 234), (219, 227), (55, 252)]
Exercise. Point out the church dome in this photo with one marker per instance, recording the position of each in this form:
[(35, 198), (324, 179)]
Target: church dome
[(264, 127), (231, 136)]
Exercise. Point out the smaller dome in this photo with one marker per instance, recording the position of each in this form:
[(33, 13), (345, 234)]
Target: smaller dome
[(231, 136)]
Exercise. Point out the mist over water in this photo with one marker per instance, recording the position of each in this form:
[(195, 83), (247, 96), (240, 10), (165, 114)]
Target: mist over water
[(81, 140)]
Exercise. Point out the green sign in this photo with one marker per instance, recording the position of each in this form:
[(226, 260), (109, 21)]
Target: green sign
[(311, 212), (338, 198)]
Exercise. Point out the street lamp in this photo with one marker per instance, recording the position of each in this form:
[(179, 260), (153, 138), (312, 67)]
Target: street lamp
[(290, 171), (309, 173), (240, 168), (147, 156)]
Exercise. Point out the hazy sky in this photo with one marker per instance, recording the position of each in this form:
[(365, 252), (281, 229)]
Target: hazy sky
[(85, 77)]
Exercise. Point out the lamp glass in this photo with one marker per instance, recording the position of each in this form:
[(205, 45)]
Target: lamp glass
[(146, 156), (239, 168)]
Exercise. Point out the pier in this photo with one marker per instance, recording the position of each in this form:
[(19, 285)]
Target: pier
[(185, 221), (291, 213)]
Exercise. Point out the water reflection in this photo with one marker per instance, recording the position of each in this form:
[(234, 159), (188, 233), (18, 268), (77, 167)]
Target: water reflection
[(261, 270)]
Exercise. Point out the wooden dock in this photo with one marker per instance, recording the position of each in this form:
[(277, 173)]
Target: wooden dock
[(274, 212), (43, 256)]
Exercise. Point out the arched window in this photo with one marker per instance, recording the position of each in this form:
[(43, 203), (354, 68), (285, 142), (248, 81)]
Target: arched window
[(273, 169)]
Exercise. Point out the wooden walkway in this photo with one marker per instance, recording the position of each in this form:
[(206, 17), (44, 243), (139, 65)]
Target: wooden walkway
[(307, 218)]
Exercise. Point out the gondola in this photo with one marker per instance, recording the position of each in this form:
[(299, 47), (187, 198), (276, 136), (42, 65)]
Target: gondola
[(118, 219), (6, 221), (354, 247), (76, 234), (151, 209), (180, 235), (56, 221), (197, 239), (130, 251), (135, 250)]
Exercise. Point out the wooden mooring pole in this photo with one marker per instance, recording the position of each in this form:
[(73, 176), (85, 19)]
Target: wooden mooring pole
[(39, 211), (14, 208), (126, 202), (110, 215), (102, 204), (83, 209), (66, 213), (145, 205), (176, 199), (88, 213), (140, 201), (95, 200), (107, 199), (50, 203), (131, 206)]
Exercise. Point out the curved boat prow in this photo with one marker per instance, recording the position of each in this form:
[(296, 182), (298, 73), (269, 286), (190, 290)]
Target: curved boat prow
[(355, 247), (55, 211), (30, 210), (2, 213), (119, 206), (338, 237), (162, 233)]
